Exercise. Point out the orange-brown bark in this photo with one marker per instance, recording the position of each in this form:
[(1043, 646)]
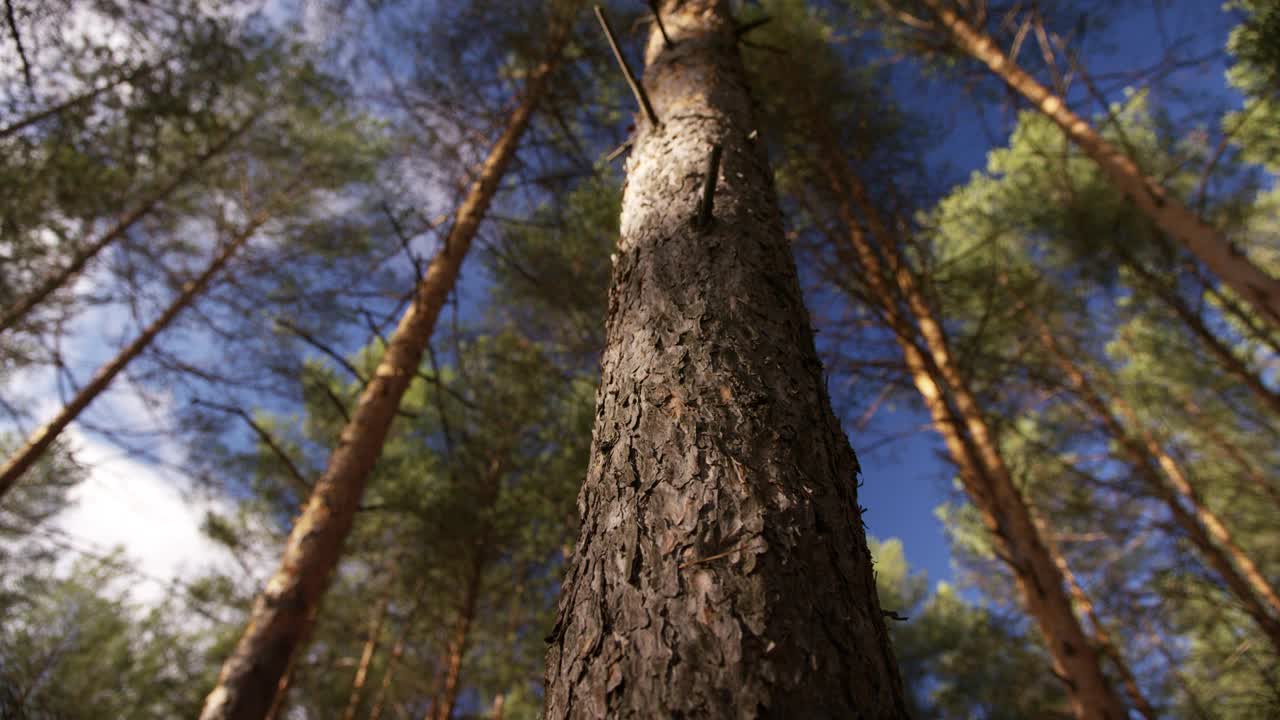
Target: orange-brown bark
[(278, 620), (366, 654), (447, 697), (1165, 477), (397, 650), (958, 418)]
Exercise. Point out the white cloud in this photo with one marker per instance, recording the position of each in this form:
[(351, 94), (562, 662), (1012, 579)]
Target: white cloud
[(130, 504)]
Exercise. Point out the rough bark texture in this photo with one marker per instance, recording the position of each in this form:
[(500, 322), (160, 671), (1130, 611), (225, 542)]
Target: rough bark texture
[(1205, 242), (13, 315), (279, 618), (722, 569), (41, 439), (957, 416)]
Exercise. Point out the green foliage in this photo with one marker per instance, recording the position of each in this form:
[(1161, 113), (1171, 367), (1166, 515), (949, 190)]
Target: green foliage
[(940, 643), (74, 645)]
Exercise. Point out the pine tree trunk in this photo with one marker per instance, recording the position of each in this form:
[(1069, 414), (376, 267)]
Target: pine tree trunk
[(1238, 456), (451, 680), (20, 309), (370, 647), (1196, 324), (1162, 474), (1202, 240), (720, 481), (41, 439), (397, 650), (278, 619), (957, 416), (1101, 636)]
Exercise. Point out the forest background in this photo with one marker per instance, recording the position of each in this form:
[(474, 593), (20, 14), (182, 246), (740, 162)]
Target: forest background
[(322, 150)]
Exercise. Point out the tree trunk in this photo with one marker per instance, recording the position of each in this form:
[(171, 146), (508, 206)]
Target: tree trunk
[(720, 481), (1196, 324), (1202, 240), (451, 680), (397, 650), (987, 480), (1162, 474), (370, 647), (41, 439), (1101, 636), (249, 676), (20, 309), (1239, 457)]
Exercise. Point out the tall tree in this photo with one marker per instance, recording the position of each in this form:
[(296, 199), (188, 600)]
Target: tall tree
[(720, 479), (875, 247), (1205, 242), (279, 619)]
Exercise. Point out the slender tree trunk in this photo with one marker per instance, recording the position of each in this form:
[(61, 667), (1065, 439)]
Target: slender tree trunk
[(957, 416), (65, 105), (720, 481), (1101, 636), (1173, 217), (370, 647), (1203, 527), (1196, 324), (1238, 456), (451, 679), (22, 307), (495, 710), (41, 439), (397, 650), (244, 687)]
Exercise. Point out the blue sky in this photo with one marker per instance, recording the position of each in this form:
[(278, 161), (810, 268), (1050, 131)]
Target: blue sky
[(906, 479)]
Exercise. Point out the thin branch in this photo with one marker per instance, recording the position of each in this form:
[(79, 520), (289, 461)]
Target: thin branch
[(747, 27), (17, 41), (709, 188), (311, 340), (299, 481), (657, 18), (636, 88)]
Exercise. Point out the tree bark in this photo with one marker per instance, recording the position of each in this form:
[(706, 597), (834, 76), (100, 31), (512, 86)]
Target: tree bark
[(1163, 475), (20, 309), (451, 680), (1101, 636), (1203, 241), (958, 417), (720, 481), (397, 650), (278, 619), (41, 439)]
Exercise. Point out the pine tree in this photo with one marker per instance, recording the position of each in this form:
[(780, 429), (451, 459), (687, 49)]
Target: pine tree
[(720, 480)]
